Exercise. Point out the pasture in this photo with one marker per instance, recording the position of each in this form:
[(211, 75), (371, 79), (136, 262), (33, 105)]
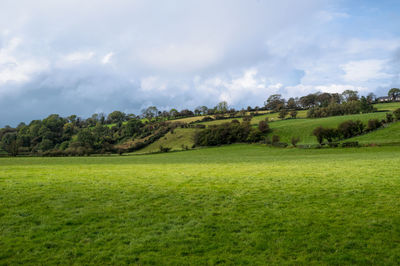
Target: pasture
[(238, 204)]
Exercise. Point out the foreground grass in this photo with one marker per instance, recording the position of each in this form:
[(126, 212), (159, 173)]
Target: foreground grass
[(235, 204)]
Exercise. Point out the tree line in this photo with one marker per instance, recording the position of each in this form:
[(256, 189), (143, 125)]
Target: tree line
[(100, 133)]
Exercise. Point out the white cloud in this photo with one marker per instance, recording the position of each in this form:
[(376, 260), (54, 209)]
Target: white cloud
[(364, 70), (107, 58), (78, 57), (15, 68)]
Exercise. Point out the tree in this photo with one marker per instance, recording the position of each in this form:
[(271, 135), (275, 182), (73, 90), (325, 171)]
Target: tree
[(394, 93), (293, 114), (86, 138), (366, 106), (319, 134), (173, 112), (294, 141), (116, 117), (309, 100), (350, 95), (263, 127), (291, 104), (204, 110), (10, 143), (222, 107), (283, 113), (396, 114), (275, 102), (150, 112), (371, 98), (324, 99)]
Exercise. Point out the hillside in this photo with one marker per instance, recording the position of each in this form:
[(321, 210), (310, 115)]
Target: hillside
[(300, 127), (180, 139), (388, 135)]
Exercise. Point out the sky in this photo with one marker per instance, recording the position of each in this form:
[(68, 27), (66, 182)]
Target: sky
[(84, 57)]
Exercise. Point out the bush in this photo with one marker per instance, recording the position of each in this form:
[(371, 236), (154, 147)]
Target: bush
[(275, 139), (389, 117), (207, 118), (227, 133), (319, 134), (283, 113), (164, 149), (263, 127), (294, 141), (334, 109), (396, 114), (351, 128), (350, 144), (373, 124)]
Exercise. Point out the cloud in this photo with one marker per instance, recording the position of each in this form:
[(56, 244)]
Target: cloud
[(107, 58), (67, 57), (365, 70)]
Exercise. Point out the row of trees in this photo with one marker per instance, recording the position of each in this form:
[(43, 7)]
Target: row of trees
[(232, 132), (275, 102), (346, 108), (55, 132)]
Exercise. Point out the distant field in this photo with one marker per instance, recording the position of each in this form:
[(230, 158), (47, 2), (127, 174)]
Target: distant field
[(388, 135), (387, 106), (303, 128), (238, 204), (181, 136), (256, 119)]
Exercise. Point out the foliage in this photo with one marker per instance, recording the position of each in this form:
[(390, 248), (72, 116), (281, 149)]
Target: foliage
[(227, 133)]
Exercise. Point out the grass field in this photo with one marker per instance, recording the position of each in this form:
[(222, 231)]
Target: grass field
[(238, 204), (387, 106), (181, 136), (303, 128), (388, 135)]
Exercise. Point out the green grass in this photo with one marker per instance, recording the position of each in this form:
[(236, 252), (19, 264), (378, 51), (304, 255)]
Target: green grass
[(387, 106), (239, 204), (303, 128), (388, 135), (256, 119)]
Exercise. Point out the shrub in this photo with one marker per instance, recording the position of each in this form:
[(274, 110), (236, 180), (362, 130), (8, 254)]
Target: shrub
[(389, 117), (293, 114), (350, 144), (294, 141), (396, 113), (164, 149), (334, 109), (373, 124), (283, 113), (263, 127), (207, 118), (275, 139), (319, 134), (351, 128), (227, 133)]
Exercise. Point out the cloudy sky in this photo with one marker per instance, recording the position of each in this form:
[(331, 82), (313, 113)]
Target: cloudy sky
[(81, 57)]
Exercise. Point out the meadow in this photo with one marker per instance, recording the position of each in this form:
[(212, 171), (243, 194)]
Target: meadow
[(238, 204)]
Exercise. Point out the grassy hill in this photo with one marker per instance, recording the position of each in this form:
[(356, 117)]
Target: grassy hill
[(178, 140), (388, 135), (303, 128), (238, 204)]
